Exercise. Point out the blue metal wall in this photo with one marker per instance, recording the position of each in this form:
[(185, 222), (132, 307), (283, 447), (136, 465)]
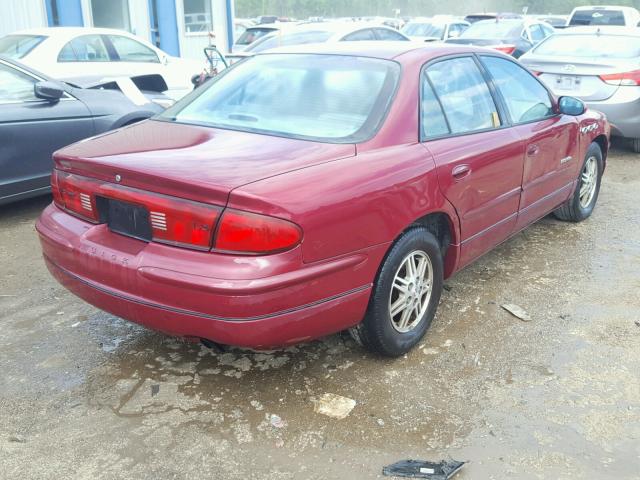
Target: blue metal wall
[(69, 13), (167, 25)]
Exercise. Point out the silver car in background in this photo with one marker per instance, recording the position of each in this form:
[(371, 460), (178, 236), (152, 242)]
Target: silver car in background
[(600, 66)]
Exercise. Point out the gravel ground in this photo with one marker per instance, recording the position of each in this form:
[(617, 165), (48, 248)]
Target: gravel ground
[(86, 395)]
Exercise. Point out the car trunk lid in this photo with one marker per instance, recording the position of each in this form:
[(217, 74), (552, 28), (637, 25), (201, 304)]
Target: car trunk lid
[(193, 162), (578, 78)]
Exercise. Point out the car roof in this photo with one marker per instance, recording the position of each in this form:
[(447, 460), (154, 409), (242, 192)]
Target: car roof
[(601, 29), (71, 31), (386, 50), (605, 7), (337, 27)]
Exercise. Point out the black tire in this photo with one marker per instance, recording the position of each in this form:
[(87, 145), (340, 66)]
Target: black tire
[(572, 210), (376, 332)]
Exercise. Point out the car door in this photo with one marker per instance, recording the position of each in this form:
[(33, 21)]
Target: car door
[(479, 160), (551, 139), (31, 129)]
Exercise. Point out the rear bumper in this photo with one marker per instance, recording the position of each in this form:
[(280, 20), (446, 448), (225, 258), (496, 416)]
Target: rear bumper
[(622, 110), (257, 302)]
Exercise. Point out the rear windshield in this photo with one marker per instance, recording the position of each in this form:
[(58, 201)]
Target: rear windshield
[(423, 30), (597, 17), (17, 46), (493, 29), (590, 46), (296, 38), (330, 98), (250, 35)]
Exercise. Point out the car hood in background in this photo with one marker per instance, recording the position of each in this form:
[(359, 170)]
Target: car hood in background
[(195, 162), (481, 42)]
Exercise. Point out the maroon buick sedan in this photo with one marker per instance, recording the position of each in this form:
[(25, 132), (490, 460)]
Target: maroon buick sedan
[(317, 189)]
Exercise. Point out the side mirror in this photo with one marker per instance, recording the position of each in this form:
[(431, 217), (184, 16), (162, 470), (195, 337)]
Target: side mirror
[(51, 91), (571, 106)]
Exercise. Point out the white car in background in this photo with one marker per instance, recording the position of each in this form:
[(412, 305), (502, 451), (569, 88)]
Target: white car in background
[(438, 28), (320, 32), (68, 52), (602, 15)]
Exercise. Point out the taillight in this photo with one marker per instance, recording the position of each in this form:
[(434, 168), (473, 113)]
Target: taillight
[(508, 49), (537, 74), (250, 233), (626, 78), (175, 221), (75, 194), (172, 220)]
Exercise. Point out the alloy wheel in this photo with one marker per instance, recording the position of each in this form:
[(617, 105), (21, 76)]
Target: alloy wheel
[(411, 291)]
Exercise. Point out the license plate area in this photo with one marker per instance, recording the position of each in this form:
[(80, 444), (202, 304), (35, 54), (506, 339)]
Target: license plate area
[(125, 218), (566, 82)]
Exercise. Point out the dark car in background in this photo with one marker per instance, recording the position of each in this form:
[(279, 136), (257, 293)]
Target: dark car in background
[(476, 17), (39, 115), (511, 36)]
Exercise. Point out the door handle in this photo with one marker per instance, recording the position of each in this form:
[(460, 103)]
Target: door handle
[(533, 150), (460, 171)]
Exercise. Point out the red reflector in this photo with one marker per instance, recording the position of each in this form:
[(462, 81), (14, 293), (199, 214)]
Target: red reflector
[(508, 49), (537, 74), (245, 232), (626, 78)]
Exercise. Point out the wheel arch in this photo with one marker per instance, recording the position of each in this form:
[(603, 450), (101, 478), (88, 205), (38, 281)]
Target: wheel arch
[(602, 141), (442, 226)]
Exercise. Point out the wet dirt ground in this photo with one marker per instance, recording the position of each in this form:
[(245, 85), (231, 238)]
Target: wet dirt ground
[(87, 395)]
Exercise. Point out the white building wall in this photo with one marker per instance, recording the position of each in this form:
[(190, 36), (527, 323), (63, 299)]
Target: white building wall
[(21, 14), (192, 44)]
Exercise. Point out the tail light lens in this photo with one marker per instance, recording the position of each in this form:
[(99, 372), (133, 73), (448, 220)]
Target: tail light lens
[(249, 233), (626, 78), (536, 73), (75, 194), (176, 221), (508, 49)]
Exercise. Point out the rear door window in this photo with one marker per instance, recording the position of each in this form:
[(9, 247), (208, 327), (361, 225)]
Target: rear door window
[(87, 48), (128, 50), (537, 34), (526, 99), (464, 95)]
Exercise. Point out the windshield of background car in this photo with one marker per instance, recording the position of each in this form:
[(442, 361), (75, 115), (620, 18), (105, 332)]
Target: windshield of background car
[(597, 17), (329, 98), (423, 30), (590, 46), (17, 46), (294, 38), (252, 34), (492, 29)]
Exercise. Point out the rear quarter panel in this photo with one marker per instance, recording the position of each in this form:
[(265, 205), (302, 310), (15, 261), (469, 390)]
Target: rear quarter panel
[(350, 204)]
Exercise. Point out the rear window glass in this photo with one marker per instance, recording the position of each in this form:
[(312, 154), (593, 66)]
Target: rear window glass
[(297, 38), (332, 98), (587, 46), (493, 29), (252, 34), (17, 46), (597, 17), (423, 30)]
